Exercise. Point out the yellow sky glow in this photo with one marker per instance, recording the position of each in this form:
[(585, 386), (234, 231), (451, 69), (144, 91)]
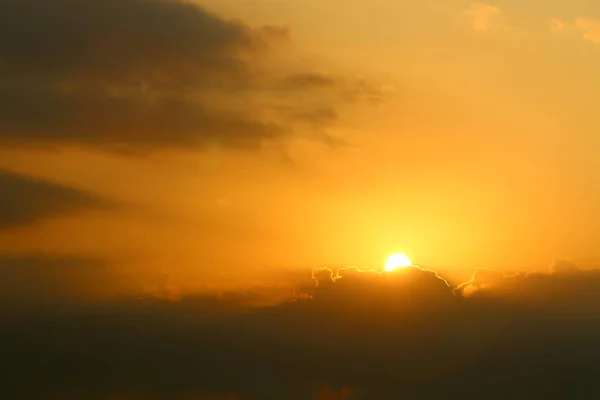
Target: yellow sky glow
[(465, 133)]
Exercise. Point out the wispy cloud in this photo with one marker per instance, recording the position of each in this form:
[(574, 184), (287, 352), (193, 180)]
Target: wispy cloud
[(482, 14), (26, 200), (557, 24), (589, 27)]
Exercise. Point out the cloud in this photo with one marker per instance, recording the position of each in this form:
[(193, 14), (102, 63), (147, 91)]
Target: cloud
[(589, 27), (44, 280), (34, 280), (25, 200), (563, 286), (122, 74), (137, 75), (310, 80), (366, 290), (557, 24), (120, 122), (363, 90), (317, 93), (482, 14), (357, 89), (317, 117), (277, 32), (131, 41), (363, 335)]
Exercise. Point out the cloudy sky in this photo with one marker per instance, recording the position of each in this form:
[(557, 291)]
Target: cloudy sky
[(214, 155), (220, 138)]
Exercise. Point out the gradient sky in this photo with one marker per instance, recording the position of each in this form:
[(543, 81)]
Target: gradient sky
[(311, 133)]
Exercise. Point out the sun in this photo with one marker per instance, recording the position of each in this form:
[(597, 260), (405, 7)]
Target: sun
[(397, 261)]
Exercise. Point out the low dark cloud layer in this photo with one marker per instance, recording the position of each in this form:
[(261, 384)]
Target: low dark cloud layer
[(140, 75), (25, 200), (357, 335), (44, 280)]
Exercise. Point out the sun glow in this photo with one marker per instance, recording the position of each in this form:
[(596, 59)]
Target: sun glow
[(397, 261)]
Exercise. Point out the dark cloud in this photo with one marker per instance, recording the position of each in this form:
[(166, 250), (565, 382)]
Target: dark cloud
[(363, 90), (118, 122), (38, 279), (139, 75), (399, 290), (125, 75), (276, 32), (219, 299), (359, 335), (358, 89), (310, 80), (564, 286), (120, 41), (44, 280), (25, 199), (317, 117)]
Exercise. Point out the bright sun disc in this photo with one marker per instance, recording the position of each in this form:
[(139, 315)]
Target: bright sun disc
[(397, 261)]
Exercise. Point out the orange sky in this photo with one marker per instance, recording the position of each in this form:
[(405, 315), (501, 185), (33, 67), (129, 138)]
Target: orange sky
[(461, 134)]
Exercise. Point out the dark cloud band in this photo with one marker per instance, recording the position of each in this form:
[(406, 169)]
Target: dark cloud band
[(374, 336), (145, 75), (25, 200)]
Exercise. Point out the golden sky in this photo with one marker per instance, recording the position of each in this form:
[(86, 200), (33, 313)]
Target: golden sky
[(243, 141)]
